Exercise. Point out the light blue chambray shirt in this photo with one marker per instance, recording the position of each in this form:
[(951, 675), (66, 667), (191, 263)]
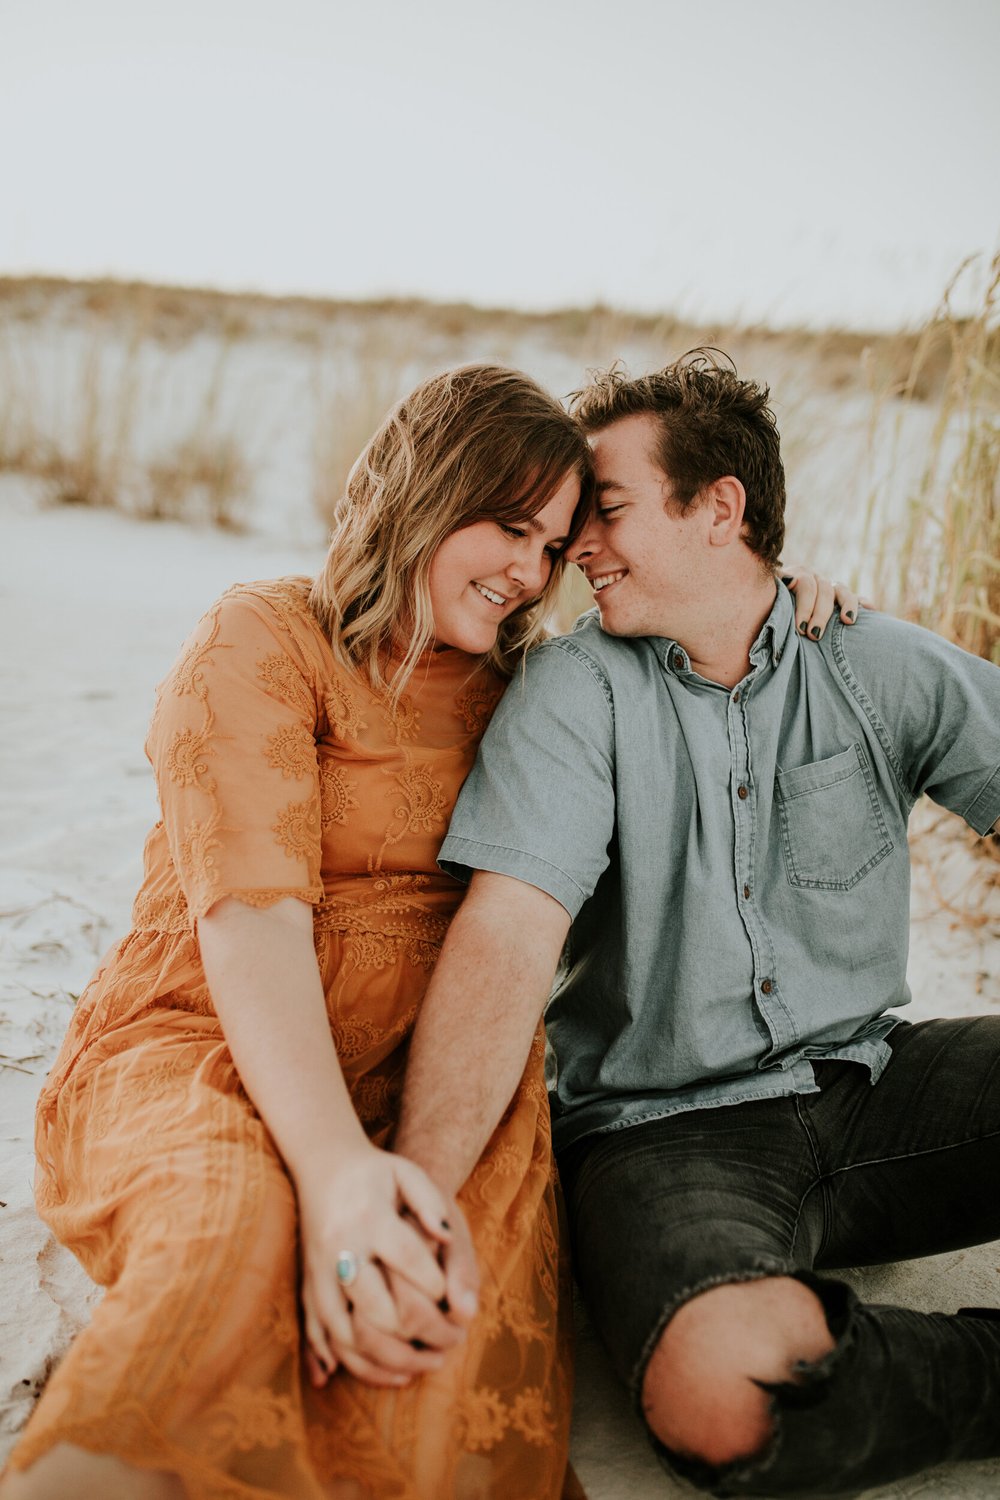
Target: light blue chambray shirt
[(735, 860)]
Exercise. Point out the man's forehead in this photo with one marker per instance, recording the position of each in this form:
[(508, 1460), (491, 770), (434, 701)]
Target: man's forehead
[(630, 443)]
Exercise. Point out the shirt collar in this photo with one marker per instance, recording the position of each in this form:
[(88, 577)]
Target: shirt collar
[(775, 631), (768, 647)]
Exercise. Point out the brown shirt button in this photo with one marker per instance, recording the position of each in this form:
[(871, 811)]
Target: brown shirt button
[(742, 793), (736, 696), (677, 661), (766, 986), (746, 893)]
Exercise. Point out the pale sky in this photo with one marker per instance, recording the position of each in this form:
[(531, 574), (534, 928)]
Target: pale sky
[(787, 159)]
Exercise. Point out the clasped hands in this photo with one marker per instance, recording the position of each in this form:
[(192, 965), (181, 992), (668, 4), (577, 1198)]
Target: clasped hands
[(416, 1288)]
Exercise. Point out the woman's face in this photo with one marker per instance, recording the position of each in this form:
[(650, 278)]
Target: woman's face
[(481, 574)]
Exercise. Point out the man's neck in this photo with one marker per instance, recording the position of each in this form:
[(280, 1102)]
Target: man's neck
[(720, 651)]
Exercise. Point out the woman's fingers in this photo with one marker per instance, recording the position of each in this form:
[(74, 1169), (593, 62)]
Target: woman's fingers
[(803, 587), (423, 1199), (402, 1248), (822, 609), (847, 602), (320, 1358), (319, 1370), (461, 1271), (817, 600)]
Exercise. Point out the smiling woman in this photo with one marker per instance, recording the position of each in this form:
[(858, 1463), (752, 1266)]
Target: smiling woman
[(483, 573), (292, 1309)]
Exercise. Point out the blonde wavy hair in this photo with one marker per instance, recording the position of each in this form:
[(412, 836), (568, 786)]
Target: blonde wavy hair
[(477, 443)]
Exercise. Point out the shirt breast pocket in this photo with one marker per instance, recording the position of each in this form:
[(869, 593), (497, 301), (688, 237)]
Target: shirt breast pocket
[(833, 830)]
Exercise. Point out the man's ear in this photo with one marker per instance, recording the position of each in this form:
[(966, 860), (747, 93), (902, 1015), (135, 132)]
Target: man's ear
[(727, 500)]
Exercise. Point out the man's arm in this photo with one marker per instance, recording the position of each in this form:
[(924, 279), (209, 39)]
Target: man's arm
[(476, 1024)]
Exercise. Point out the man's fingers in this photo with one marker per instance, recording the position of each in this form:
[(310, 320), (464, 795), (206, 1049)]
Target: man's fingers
[(392, 1354), (372, 1299), (419, 1318), (371, 1373)]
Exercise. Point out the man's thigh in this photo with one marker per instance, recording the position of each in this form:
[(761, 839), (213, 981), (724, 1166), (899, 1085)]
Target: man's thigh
[(665, 1209), (910, 1166)]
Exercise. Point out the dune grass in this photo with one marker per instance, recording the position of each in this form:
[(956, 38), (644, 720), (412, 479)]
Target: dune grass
[(948, 557)]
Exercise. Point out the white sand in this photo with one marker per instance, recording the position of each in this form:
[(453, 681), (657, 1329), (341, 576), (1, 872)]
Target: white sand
[(92, 609)]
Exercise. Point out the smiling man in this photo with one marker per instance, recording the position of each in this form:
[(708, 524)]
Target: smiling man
[(721, 814)]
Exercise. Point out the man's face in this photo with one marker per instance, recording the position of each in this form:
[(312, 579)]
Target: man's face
[(644, 561)]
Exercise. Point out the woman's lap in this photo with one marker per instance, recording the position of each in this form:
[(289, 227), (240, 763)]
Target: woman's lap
[(183, 1209)]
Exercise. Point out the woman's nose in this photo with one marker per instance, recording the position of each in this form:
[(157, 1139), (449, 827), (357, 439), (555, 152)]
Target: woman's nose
[(531, 569)]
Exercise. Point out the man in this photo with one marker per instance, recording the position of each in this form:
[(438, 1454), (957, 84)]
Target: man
[(722, 813)]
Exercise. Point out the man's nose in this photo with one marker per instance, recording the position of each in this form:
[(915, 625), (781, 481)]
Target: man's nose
[(584, 547)]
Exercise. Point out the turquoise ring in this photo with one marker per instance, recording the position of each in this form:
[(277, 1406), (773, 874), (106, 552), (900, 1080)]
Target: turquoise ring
[(346, 1267)]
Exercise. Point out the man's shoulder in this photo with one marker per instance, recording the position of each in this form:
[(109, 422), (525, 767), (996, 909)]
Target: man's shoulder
[(607, 655), (879, 650)]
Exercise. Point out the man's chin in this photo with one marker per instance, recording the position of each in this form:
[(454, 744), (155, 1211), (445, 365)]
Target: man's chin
[(615, 623)]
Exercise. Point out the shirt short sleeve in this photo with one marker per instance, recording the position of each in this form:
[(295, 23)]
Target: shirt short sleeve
[(539, 803), (233, 747), (937, 710)]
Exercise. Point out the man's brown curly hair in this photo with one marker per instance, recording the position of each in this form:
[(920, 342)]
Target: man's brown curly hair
[(711, 424)]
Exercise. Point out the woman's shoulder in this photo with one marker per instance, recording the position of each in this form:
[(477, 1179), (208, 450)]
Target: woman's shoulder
[(282, 605)]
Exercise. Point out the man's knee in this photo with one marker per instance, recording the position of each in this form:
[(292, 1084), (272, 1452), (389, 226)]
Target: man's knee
[(700, 1393)]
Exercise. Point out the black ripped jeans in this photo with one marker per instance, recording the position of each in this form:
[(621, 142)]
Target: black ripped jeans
[(854, 1175)]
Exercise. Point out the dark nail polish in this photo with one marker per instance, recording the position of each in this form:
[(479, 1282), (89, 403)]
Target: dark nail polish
[(804, 627), (849, 614), (815, 631), (786, 577)]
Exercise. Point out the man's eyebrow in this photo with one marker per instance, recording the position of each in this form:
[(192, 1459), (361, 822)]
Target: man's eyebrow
[(604, 485)]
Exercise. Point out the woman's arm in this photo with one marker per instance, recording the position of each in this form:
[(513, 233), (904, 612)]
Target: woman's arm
[(261, 969)]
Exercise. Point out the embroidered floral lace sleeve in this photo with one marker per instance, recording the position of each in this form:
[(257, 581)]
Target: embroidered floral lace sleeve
[(233, 746)]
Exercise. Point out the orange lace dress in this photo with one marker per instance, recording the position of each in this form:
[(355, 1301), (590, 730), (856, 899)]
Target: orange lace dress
[(281, 775)]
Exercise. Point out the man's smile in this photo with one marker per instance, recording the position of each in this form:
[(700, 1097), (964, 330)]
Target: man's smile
[(605, 580)]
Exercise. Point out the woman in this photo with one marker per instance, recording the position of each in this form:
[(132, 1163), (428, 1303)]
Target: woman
[(210, 1141)]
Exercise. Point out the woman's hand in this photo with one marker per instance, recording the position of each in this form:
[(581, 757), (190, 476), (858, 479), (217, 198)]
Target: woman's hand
[(816, 599), (361, 1206), (432, 1326)]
